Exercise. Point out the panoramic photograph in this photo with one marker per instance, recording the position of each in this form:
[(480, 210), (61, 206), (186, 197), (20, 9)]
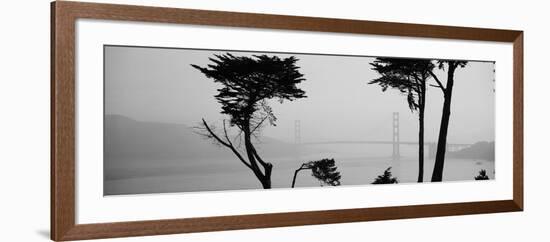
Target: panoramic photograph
[(198, 120)]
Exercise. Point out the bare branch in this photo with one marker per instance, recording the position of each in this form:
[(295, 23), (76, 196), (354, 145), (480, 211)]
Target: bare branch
[(256, 137), (228, 145), (440, 85), (239, 138), (225, 134), (211, 134), (259, 124)]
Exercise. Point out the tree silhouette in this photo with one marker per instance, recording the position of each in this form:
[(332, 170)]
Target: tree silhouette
[(482, 175), (247, 85), (324, 170), (447, 90), (385, 178), (410, 77)]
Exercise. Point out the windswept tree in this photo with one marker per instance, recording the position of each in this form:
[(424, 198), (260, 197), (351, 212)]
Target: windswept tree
[(482, 175), (450, 67), (386, 178), (410, 77), (324, 170), (248, 83)]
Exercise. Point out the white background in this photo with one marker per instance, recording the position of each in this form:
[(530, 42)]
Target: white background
[(24, 124)]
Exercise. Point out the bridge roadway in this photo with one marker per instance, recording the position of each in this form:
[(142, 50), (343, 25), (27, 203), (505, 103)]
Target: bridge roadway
[(432, 146), (377, 142)]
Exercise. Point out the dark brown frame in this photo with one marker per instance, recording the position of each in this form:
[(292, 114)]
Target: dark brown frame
[(63, 17)]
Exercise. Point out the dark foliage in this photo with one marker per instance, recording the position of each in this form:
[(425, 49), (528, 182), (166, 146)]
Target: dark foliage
[(248, 83), (385, 178), (409, 76), (482, 175), (323, 170)]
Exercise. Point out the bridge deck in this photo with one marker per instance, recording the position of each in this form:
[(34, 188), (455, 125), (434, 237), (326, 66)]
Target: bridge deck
[(376, 142)]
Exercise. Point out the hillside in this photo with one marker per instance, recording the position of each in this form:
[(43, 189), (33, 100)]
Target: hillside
[(135, 148), (480, 150)]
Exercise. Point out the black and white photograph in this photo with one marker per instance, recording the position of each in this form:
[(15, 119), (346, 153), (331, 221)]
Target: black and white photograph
[(198, 120), (281, 120)]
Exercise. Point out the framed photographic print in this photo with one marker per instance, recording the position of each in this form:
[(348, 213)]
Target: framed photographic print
[(172, 120)]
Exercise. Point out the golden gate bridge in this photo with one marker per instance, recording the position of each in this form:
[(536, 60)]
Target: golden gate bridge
[(395, 142)]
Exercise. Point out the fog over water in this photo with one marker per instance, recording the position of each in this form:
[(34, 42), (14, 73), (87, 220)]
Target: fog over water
[(154, 98)]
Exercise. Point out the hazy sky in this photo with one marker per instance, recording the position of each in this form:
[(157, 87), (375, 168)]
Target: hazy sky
[(153, 84)]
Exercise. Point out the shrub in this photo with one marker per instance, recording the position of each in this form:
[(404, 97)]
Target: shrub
[(482, 175), (386, 178)]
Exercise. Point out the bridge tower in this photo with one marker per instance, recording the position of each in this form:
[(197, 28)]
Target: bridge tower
[(297, 134), (395, 137)]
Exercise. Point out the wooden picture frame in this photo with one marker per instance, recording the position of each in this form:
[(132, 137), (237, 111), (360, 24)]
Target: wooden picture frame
[(63, 17)]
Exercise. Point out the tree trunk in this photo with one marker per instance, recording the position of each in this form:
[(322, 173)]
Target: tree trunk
[(296, 174), (266, 183), (265, 179), (421, 133), (421, 145), (437, 174)]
